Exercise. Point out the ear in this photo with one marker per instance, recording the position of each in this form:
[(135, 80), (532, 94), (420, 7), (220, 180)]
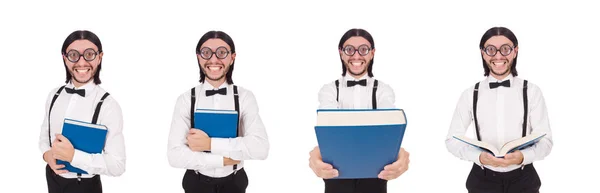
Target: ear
[(373, 53), (100, 57), (233, 58), (516, 52), (340, 50)]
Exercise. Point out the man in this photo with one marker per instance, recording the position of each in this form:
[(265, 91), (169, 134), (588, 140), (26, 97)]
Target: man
[(81, 99), (356, 89), (216, 164), (503, 108)]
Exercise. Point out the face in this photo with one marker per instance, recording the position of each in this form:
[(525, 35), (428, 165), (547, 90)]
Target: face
[(82, 59), (215, 59), (499, 53), (356, 53)]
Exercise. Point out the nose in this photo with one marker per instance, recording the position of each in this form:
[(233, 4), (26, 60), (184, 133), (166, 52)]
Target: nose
[(356, 56), (498, 56), (213, 59), (81, 61)]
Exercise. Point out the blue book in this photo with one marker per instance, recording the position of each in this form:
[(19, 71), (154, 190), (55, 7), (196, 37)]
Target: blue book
[(360, 143), (508, 147), (217, 123), (86, 137)]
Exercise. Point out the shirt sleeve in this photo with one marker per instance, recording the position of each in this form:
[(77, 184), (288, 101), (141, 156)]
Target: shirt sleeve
[(461, 120), (327, 97), (112, 161), (44, 141), (254, 144), (178, 152), (386, 98), (539, 123)]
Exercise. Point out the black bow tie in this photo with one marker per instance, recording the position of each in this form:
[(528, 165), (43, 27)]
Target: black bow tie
[(222, 91), (80, 92), (362, 82), (494, 85)]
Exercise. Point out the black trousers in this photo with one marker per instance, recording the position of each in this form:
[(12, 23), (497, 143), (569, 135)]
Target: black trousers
[(198, 183), (58, 184), (517, 181), (368, 185)]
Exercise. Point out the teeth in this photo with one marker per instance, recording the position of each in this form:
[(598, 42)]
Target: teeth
[(82, 70), (499, 63), (214, 68), (356, 63)]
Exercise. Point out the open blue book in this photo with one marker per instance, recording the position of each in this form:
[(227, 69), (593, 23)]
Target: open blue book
[(509, 147), (86, 137), (360, 143), (217, 123)]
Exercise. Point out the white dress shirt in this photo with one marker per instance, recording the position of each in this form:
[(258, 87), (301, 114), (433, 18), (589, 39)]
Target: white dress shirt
[(356, 97), (500, 118), (72, 106), (252, 144)]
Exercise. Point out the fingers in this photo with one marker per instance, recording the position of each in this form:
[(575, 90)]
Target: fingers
[(61, 137), (60, 171)]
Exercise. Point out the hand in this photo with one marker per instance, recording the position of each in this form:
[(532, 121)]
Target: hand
[(513, 158), (394, 170), (49, 158), (198, 140), (229, 162), (320, 168), (62, 148)]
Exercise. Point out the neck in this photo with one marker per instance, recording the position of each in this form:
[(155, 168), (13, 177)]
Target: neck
[(215, 83), (358, 76), (499, 77), (77, 84)]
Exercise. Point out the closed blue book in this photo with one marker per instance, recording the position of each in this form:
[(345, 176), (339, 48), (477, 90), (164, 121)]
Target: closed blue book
[(86, 137), (360, 143), (217, 123)]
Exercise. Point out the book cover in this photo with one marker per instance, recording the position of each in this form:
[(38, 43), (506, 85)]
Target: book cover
[(217, 123), (86, 137), (360, 143)]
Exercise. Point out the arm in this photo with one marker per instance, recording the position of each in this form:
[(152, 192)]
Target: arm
[(254, 144), (386, 98), (112, 161), (178, 153), (327, 97), (459, 125), (43, 143), (538, 120)]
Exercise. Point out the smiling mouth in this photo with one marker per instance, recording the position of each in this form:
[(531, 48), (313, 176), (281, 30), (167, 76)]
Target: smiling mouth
[(82, 70), (356, 63), (214, 68), (499, 63)]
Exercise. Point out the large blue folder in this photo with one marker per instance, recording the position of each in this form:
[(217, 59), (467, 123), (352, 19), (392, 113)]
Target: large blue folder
[(217, 123), (86, 137), (360, 143)]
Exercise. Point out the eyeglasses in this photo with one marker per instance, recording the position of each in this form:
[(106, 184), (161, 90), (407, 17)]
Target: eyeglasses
[(350, 50), (88, 55), (491, 50), (206, 53)]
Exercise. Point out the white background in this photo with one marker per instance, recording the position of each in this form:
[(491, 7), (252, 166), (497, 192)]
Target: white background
[(427, 51)]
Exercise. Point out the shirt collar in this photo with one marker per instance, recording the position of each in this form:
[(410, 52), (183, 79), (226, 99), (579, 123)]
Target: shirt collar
[(350, 77), (208, 86), (88, 87), (492, 79)]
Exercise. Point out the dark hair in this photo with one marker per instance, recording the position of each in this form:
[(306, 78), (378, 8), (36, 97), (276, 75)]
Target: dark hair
[(82, 35), (361, 33), (499, 31), (223, 36)]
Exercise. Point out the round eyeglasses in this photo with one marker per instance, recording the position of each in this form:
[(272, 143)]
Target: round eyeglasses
[(88, 55), (206, 53), (491, 50), (363, 50)]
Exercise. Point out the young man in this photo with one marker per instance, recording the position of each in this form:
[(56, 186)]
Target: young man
[(503, 107), (81, 99), (356, 89), (216, 164)]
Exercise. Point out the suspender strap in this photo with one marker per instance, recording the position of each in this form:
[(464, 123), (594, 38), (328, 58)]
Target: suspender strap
[(97, 111), (236, 100), (50, 110), (374, 99), (475, 94), (337, 90), (193, 102), (525, 108)]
